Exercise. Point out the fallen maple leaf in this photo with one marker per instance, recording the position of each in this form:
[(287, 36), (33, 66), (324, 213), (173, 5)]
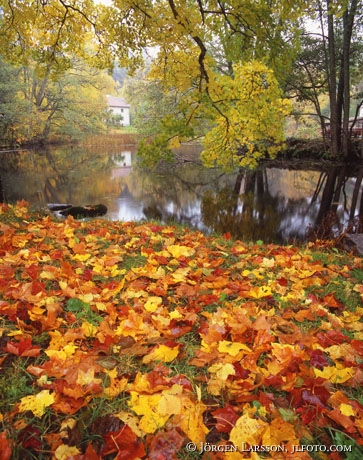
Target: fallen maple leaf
[(65, 452), (152, 303), (226, 418), (23, 348), (247, 430), (232, 348), (347, 409), (172, 324), (165, 445), (162, 353), (259, 292), (37, 403), (6, 446), (177, 250), (335, 375), (279, 432), (123, 441), (147, 406)]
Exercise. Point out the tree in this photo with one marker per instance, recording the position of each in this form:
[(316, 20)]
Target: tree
[(199, 45), (67, 107), (307, 83), (328, 66), (53, 44), (50, 33), (251, 125), (14, 108)]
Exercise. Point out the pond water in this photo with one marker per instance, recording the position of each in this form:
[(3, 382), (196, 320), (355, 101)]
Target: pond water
[(276, 203)]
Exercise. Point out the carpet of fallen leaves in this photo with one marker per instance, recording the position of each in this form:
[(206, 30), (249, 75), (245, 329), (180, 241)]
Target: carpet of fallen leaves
[(133, 340)]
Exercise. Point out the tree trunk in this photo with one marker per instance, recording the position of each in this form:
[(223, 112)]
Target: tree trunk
[(332, 83), (327, 196), (348, 21), (339, 94)]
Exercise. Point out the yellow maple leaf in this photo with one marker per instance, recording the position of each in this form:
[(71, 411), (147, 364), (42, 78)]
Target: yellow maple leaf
[(63, 284), (268, 263), (89, 329), (350, 317), (161, 321), (156, 409), (232, 348), (247, 430), (87, 298), (177, 250), (175, 314), (152, 303), (222, 371), (37, 403), (171, 401), (65, 452), (307, 273), (48, 275), (116, 386), (67, 351), (149, 271), (81, 257), (179, 276), (131, 420), (36, 312), (158, 274), (191, 420), (161, 353), (101, 306), (87, 377), (147, 406), (259, 292), (335, 375), (279, 431), (346, 409)]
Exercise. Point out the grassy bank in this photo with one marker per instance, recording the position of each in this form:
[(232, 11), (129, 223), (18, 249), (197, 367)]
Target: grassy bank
[(127, 341), (113, 137)]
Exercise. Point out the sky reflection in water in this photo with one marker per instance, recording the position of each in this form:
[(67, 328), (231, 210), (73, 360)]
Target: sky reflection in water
[(273, 204)]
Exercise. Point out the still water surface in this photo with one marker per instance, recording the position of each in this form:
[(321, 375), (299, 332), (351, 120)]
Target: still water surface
[(276, 203)]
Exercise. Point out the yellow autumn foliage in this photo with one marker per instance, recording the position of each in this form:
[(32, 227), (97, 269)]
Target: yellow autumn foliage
[(251, 122)]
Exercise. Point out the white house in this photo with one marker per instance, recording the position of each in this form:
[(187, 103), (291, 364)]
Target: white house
[(119, 107)]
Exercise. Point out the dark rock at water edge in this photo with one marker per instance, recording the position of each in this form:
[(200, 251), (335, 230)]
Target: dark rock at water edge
[(78, 212)]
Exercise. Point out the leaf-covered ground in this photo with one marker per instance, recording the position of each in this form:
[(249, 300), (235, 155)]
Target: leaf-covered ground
[(133, 341)]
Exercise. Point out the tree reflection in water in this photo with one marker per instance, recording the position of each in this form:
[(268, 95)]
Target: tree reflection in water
[(248, 211), (275, 203)]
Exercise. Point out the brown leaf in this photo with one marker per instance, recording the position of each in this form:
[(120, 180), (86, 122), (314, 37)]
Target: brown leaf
[(165, 445)]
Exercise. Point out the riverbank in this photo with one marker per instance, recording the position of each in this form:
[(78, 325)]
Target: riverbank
[(113, 137), (318, 149), (141, 340)]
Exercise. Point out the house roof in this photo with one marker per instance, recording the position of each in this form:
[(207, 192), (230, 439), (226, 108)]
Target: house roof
[(114, 101)]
